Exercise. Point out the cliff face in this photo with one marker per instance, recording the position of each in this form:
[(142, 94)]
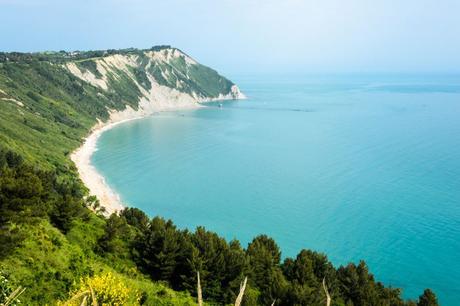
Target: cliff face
[(162, 78), (58, 96)]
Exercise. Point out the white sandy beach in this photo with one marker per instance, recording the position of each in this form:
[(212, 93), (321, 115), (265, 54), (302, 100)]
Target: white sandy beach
[(160, 99), (93, 180)]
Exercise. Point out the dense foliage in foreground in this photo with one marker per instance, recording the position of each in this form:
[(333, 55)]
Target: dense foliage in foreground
[(51, 243), (55, 242)]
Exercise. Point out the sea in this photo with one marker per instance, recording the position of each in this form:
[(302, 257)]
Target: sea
[(359, 167)]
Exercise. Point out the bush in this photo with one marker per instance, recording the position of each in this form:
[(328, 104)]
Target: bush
[(105, 289)]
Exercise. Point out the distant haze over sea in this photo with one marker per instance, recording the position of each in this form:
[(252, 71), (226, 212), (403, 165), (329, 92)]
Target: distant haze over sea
[(241, 36)]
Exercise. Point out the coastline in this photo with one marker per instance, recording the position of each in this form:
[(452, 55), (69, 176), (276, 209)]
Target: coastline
[(93, 180)]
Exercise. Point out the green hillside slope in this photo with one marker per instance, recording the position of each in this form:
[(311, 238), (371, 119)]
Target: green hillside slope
[(50, 101)]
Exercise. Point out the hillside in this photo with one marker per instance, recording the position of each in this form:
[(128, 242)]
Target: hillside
[(56, 241), (49, 101)]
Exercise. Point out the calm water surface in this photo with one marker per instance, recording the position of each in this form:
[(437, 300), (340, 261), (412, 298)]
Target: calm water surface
[(356, 167)]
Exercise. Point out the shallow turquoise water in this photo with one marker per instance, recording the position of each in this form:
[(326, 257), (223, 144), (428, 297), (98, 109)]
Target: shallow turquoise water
[(356, 167)]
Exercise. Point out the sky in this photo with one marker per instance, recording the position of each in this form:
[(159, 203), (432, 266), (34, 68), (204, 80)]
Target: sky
[(251, 36)]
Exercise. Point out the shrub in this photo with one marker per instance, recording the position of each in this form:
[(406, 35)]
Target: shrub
[(105, 289)]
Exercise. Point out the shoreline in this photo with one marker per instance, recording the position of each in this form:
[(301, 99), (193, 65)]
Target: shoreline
[(93, 180), (81, 157)]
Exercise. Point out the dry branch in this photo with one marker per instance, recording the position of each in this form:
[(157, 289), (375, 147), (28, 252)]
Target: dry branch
[(200, 296), (328, 297), (239, 298)]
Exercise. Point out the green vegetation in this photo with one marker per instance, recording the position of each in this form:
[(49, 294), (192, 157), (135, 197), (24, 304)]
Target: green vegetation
[(64, 56), (57, 244), (123, 89), (89, 65), (45, 112)]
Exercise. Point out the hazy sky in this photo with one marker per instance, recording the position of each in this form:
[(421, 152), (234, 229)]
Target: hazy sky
[(249, 36)]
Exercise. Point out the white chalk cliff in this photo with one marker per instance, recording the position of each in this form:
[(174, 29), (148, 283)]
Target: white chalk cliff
[(170, 80)]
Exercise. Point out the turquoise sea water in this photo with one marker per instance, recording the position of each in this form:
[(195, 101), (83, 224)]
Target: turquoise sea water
[(358, 167)]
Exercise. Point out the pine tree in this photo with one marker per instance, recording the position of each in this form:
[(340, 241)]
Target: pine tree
[(428, 298)]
